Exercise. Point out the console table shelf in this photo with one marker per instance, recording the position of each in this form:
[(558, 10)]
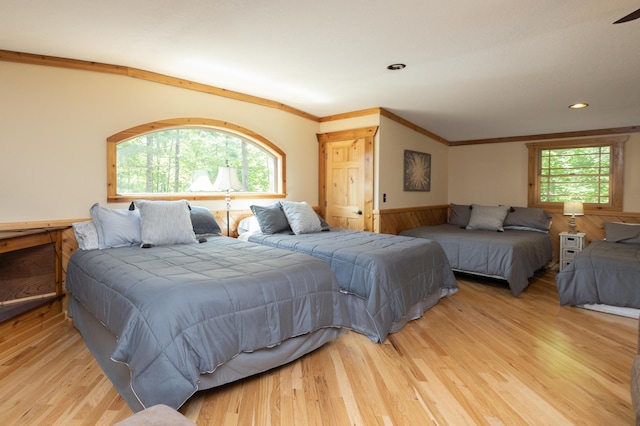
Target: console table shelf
[(30, 269)]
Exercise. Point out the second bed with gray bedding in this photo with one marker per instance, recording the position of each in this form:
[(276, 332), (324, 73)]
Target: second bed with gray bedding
[(388, 279)]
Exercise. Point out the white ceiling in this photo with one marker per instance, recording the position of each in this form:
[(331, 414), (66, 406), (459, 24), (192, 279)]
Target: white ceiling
[(475, 69)]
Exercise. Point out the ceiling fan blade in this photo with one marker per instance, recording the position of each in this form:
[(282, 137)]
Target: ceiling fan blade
[(629, 17)]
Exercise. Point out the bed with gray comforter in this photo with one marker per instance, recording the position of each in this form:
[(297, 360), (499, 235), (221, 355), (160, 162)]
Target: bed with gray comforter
[(605, 272), (512, 255), (388, 280), (178, 314)]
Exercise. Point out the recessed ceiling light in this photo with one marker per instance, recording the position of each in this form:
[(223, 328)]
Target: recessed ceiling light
[(578, 106), (395, 67)]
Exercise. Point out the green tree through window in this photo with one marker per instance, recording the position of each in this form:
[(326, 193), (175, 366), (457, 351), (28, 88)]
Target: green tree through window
[(575, 174), (184, 160), (588, 170)]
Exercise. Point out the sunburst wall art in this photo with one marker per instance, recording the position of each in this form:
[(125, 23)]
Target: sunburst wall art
[(417, 171)]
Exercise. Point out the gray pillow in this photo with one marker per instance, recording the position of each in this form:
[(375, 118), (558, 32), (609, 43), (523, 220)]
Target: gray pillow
[(622, 232), (271, 219), (488, 218), (301, 217), (323, 224), (165, 222), (460, 214), (204, 222), (528, 219), (116, 227)]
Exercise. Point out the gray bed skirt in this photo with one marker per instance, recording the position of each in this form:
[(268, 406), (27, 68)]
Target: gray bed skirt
[(101, 342), (362, 322)]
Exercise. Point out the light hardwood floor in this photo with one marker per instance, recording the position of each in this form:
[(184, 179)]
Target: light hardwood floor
[(479, 357)]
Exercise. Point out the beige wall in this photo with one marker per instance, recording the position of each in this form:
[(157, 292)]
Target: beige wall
[(497, 174), (390, 141), (394, 140), (54, 124)]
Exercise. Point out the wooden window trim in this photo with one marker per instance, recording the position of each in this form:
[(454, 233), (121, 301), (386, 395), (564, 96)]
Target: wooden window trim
[(114, 140), (617, 176)]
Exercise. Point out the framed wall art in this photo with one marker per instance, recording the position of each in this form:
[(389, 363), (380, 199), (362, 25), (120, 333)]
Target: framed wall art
[(417, 171)]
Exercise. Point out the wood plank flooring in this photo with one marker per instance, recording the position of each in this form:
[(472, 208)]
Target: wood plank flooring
[(479, 357)]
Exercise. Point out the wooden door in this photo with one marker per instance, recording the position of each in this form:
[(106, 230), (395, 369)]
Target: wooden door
[(346, 178)]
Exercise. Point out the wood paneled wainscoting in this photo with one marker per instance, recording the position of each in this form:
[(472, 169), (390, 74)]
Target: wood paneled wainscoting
[(592, 224), (394, 221)]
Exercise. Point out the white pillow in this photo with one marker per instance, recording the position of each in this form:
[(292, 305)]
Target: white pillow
[(488, 218), (165, 222), (116, 227), (301, 217), (86, 235), (248, 224)]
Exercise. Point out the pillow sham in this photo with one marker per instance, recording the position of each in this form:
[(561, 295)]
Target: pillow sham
[(460, 214), (528, 219), (204, 222), (165, 222), (622, 232), (488, 218), (116, 227), (249, 224), (301, 217), (271, 218), (86, 235)]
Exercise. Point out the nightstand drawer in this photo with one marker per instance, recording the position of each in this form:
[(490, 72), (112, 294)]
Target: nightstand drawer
[(564, 265), (569, 241), (569, 254)]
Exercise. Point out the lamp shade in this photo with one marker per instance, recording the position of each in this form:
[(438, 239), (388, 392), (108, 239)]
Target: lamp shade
[(573, 208), (201, 181), (227, 180)]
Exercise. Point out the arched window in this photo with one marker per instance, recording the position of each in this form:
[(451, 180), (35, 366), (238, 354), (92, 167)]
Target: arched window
[(181, 159)]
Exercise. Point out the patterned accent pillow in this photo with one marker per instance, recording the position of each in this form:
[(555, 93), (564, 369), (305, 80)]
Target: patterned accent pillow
[(301, 217), (86, 235), (165, 222), (488, 218)]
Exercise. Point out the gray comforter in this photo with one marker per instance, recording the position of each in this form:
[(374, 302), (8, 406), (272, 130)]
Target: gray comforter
[(391, 273), (510, 255), (182, 310), (603, 273)]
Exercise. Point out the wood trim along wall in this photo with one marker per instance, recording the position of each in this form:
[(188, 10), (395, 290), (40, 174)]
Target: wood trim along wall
[(410, 125), (54, 61), (545, 136), (388, 114)]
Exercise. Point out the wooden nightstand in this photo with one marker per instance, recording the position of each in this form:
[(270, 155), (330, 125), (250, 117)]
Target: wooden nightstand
[(570, 245)]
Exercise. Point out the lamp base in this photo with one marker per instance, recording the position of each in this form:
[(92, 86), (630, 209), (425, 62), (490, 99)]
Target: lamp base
[(572, 225)]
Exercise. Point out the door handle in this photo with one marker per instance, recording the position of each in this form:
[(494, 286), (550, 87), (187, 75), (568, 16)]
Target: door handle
[(358, 212)]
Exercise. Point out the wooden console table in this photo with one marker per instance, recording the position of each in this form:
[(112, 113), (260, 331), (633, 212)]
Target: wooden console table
[(30, 269)]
